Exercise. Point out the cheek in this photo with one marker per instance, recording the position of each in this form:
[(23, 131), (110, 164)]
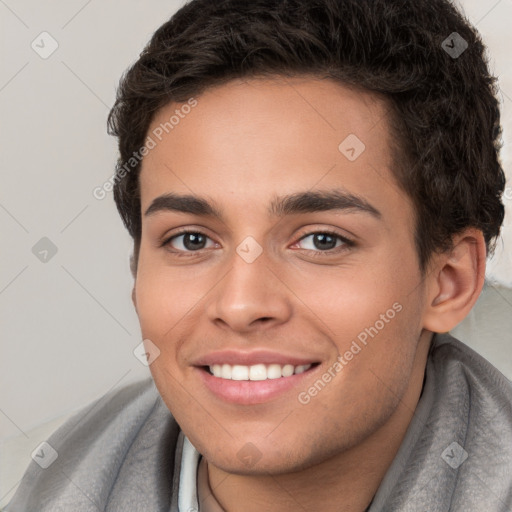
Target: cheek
[(346, 301), (373, 317), (164, 296), (162, 312), (153, 306), (168, 300), (385, 347)]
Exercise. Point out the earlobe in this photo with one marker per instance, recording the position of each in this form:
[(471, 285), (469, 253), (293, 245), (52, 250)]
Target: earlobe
[(455, 281)]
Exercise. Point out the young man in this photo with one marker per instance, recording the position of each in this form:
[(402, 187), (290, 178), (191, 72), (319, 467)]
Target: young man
[(312, 188)]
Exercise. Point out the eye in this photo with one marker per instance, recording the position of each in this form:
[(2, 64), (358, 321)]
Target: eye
[(188, 241), (324, 241), (319, 242)]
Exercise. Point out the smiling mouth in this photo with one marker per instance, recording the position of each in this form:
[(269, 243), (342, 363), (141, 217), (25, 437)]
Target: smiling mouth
[(257, 372)]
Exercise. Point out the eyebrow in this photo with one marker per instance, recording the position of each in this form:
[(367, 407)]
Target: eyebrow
[(299, 202)]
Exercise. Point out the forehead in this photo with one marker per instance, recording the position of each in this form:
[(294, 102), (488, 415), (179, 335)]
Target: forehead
[(276, 135)]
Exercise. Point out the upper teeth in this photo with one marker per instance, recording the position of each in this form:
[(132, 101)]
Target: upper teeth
[(257, 371)]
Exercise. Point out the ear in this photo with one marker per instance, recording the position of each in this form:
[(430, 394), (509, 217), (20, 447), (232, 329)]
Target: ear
[(134, 297), (133, 265), (133, 268), (454, 281)]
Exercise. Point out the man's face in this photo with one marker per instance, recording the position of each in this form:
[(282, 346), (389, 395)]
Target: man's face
[(332, 295)]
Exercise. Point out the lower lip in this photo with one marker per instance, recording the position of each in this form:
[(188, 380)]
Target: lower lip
[(250, 392)]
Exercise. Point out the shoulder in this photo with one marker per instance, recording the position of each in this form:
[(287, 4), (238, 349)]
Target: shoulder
[(97, 457), (449, 352), (456, 453)]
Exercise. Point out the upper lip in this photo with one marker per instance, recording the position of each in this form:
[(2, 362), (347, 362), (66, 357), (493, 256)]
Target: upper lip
[(236, 357)]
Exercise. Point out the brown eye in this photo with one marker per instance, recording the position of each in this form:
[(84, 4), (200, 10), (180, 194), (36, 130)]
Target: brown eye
[(323, 241), (189, 241)]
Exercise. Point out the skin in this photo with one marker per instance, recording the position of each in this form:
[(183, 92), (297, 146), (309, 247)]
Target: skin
[(245, 143)]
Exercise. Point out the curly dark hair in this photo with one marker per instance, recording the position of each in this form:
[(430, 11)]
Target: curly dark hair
[(443, 108)]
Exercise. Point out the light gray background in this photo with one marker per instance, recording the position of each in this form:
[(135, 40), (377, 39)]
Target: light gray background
[(68, 326)]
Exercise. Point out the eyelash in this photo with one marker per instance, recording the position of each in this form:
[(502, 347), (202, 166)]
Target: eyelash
[(347, 243)]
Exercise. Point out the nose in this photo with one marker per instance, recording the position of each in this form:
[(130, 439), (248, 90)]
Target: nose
[(250, 296)]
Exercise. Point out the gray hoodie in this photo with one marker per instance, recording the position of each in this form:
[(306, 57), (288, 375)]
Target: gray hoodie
[(123, 453)]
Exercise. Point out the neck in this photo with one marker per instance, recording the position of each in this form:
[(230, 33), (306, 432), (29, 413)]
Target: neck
[(347, 481)]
